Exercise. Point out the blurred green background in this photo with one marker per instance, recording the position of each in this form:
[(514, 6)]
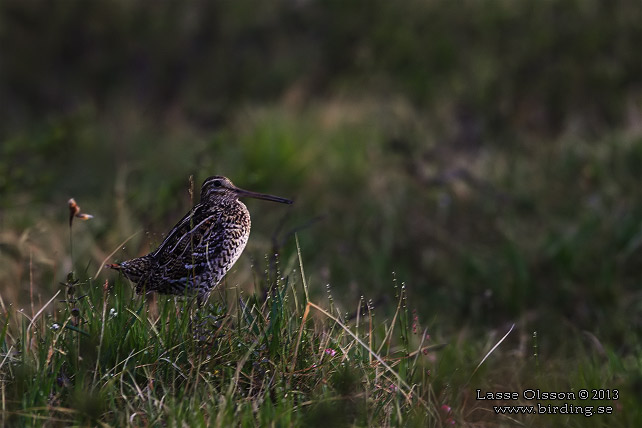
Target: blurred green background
[(488, 154)]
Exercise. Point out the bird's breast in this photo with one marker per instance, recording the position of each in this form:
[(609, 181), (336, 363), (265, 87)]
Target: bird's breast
[(236, 225)]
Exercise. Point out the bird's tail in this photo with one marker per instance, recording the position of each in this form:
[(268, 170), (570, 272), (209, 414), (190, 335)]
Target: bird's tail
[(133, 269)]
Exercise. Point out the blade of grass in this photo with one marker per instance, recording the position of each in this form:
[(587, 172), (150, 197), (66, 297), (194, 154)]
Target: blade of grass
[(491, 351), (3, 335), (42, 309), (102, 333), (298, 342), (303, 280), (76, 329)]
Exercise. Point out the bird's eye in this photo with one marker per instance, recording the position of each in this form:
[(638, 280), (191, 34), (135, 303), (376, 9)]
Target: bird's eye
[(217, 183)]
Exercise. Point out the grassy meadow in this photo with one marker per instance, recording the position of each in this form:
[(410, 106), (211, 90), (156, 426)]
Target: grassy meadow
[(467, 216)]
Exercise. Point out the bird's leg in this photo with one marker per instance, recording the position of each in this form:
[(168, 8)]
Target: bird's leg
[(152, 305), (195, 314)]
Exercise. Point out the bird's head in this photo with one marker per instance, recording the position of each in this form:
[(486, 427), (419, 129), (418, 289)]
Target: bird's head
[(219, 187)]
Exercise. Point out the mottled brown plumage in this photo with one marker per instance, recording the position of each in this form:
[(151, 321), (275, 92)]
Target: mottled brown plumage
[(202, 247)]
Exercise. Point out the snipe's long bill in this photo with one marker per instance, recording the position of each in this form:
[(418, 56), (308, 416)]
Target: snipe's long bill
[(202, 247)]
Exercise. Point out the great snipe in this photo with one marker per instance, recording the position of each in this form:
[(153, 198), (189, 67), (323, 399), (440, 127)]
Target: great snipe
[(202, 247)]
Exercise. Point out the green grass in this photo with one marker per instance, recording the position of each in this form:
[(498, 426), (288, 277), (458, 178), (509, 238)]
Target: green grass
[(104, 356), (95, 354)]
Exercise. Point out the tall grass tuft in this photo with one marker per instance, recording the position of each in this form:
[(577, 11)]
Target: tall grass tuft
[(96, 354)]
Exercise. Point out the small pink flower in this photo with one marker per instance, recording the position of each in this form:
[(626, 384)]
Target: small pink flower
[(446, 408), (331, 352), (393, 387)]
